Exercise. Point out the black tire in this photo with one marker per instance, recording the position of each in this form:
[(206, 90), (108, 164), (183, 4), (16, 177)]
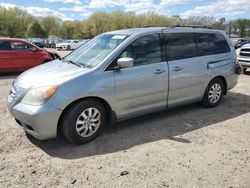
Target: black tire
[(71, 115), (68, 47), (206, 102), (245, 70)]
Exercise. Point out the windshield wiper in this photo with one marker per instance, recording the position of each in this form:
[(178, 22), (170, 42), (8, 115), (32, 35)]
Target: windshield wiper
[(72, 62)]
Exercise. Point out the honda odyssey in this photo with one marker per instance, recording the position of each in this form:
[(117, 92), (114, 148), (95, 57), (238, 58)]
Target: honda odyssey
[(120, 75)]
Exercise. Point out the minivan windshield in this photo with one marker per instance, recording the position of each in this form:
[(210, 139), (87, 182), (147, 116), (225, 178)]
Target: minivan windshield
[(95, 50)]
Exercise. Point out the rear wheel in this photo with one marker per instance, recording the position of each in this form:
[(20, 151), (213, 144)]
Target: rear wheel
[(83, 121), (68, 47), (214, 93)]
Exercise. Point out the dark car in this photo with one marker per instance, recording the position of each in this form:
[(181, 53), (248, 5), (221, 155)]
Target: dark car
[(19, 55), (40, 44), (238, 43)]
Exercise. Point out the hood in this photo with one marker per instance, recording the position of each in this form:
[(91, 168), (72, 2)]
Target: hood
[(54, 72), (246, 46)]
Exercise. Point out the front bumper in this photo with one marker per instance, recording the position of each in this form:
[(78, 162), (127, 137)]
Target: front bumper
[(39, 121), (61, 47)]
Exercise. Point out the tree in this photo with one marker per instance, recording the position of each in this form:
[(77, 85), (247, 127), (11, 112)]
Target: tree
[(67, 29), (35, 31), (243, 25), (14, 21), (51, 25), (71, 29)]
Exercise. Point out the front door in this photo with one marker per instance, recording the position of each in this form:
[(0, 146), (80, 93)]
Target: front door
[(144, 86), (25, 56)]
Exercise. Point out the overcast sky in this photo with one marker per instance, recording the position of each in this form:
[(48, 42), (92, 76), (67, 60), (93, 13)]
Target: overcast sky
[(81, 9)]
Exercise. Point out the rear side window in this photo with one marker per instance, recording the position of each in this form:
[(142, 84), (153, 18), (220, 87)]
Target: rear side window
[(180, 46), (209, 44), (5, 45)]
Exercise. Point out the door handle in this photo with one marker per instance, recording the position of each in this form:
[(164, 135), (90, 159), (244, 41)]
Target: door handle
[(177, 69), (159, 71)]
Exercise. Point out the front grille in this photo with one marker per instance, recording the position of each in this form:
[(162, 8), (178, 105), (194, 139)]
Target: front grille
[(245, 52), (15, 93)]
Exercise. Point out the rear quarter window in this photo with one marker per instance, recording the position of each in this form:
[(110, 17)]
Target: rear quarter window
[(209, 44)]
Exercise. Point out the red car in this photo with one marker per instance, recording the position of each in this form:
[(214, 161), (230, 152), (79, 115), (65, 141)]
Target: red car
[(18, 55)]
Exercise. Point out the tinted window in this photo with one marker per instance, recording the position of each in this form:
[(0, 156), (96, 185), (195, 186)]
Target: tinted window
[(180, 46), (209, 44), (145, 50), (5, 45), (20, 46)]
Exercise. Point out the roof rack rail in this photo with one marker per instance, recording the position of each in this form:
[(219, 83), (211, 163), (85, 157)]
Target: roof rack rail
[(193, 26)]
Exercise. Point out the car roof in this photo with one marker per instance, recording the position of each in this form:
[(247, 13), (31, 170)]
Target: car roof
[(17, 40), (12, 39), (163, 29)]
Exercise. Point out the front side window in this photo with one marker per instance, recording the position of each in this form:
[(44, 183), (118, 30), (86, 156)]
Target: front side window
[(20, 46), (5, 45), (209, 44), (180, 46), (145, 50), (95, 50)]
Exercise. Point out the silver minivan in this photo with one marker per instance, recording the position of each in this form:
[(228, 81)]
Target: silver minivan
[(120, 75)]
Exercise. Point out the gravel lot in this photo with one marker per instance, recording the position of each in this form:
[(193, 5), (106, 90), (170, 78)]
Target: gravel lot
[(185, 147)]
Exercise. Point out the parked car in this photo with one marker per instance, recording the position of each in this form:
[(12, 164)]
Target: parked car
[(244, 56), (68, 45), (19, 55), (239, 42), (120, 75), (37, 41)]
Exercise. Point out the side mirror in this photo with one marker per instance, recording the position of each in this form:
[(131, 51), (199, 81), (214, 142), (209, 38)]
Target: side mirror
[(125, 62), (33, 49)]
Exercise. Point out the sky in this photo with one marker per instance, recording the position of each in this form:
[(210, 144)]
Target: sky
[(82, 9)]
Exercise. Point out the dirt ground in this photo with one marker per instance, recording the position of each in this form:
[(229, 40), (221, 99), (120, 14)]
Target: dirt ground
[(189, 147)]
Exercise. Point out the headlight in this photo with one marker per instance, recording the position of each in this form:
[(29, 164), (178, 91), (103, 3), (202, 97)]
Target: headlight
[(38, 96), (238, 51)]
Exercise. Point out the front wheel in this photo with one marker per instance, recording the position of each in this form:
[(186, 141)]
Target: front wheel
[(68, 47), (214, 93), (83, 121)]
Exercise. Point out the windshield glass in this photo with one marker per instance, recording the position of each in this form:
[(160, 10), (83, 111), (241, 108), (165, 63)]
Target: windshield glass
[(95, 50)]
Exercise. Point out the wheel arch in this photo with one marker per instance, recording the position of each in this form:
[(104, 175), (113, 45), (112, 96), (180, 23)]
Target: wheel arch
[(111, 116), (223, 79)]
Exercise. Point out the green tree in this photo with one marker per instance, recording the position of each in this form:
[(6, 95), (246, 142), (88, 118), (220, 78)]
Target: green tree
[(35, 30), (67, 29), (51, 25), (14, 21), (72, 29), (243, 25)]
